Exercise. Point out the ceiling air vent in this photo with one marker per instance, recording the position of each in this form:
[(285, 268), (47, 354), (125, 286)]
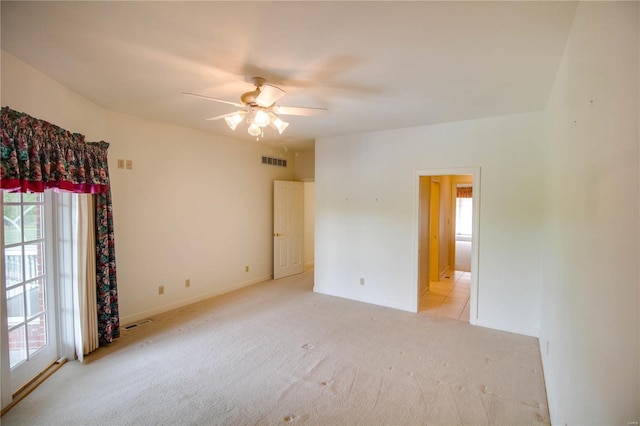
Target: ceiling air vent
[(274, 161)]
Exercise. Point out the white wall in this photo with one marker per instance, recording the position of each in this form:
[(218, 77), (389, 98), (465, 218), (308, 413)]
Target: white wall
[(305, 165), (366, 201), (590, 318), (195, 205), (27, 90)]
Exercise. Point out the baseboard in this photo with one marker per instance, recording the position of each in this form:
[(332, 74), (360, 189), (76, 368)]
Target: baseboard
[(525, 332), (179, 304), (372, 301), (552, 410), (424, 292), (443, 273)]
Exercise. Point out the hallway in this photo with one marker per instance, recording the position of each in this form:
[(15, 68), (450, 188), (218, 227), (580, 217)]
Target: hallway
[(449, 297)]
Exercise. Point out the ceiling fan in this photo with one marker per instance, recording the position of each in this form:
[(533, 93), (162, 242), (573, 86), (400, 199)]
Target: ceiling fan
[(260, 110)]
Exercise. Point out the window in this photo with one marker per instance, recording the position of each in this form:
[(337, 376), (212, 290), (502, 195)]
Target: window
[(464, 216), (25, 275)]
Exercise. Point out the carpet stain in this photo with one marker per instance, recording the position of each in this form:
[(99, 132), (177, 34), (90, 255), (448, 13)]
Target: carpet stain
[(291, 418), (487, 391), (542, 419), (534, 405), (307, 346)]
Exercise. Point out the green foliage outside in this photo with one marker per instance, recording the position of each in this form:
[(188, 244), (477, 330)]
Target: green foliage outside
[(12, 217)]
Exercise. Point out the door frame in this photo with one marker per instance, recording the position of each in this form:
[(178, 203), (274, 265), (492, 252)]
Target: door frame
[(475, 239), (6, 394)]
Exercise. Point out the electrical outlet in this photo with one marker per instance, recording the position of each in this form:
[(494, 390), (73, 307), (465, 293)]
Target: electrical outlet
[(129, 164), (361, 281), (187, 283), (246, 268), (161, 289), (121, 164)]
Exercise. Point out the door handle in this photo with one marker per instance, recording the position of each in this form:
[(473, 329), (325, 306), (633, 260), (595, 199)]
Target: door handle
[(277, 235)]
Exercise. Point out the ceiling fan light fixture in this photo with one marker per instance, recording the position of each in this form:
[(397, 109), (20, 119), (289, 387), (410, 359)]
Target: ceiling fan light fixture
[(269, 94), (234, 120), (254, 129), (278, 124), (259, 109), (261, 118)]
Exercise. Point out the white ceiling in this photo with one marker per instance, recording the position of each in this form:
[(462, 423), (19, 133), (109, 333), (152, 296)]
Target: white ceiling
[(373, 65)]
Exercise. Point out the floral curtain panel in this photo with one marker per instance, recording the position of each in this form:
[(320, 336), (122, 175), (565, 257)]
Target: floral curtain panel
[(108, 315), (37, 155)]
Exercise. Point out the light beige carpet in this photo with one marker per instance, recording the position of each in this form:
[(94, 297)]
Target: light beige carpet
[(276, 353)]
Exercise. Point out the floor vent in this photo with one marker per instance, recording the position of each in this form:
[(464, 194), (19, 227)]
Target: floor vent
[(136, 324), (274, 161)]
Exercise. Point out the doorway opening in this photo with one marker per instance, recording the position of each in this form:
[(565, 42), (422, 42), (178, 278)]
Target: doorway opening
[(447, 243)]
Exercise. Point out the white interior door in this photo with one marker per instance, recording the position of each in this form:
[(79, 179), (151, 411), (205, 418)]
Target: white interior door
[(288, 228)]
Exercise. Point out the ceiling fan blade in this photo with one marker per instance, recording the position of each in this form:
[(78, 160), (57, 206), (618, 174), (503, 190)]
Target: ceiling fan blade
[(218, 117), (304, 111), (269, 95), (214, 99)]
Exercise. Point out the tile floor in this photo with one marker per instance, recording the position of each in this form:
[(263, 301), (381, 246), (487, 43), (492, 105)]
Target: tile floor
[(449, 297)]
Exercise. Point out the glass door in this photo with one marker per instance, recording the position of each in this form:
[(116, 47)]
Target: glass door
[(30, 333)]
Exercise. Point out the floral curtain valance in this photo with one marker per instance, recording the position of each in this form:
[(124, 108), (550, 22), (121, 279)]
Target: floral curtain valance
[(37, 155), (464, 192)]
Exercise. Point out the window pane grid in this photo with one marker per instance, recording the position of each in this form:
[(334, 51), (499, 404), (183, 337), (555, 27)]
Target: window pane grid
[(41, 240), (36, 333), (17, 346), (24, 262), (27, 282), (13, 265), (14, 326), (16, 307), (25, 276)]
